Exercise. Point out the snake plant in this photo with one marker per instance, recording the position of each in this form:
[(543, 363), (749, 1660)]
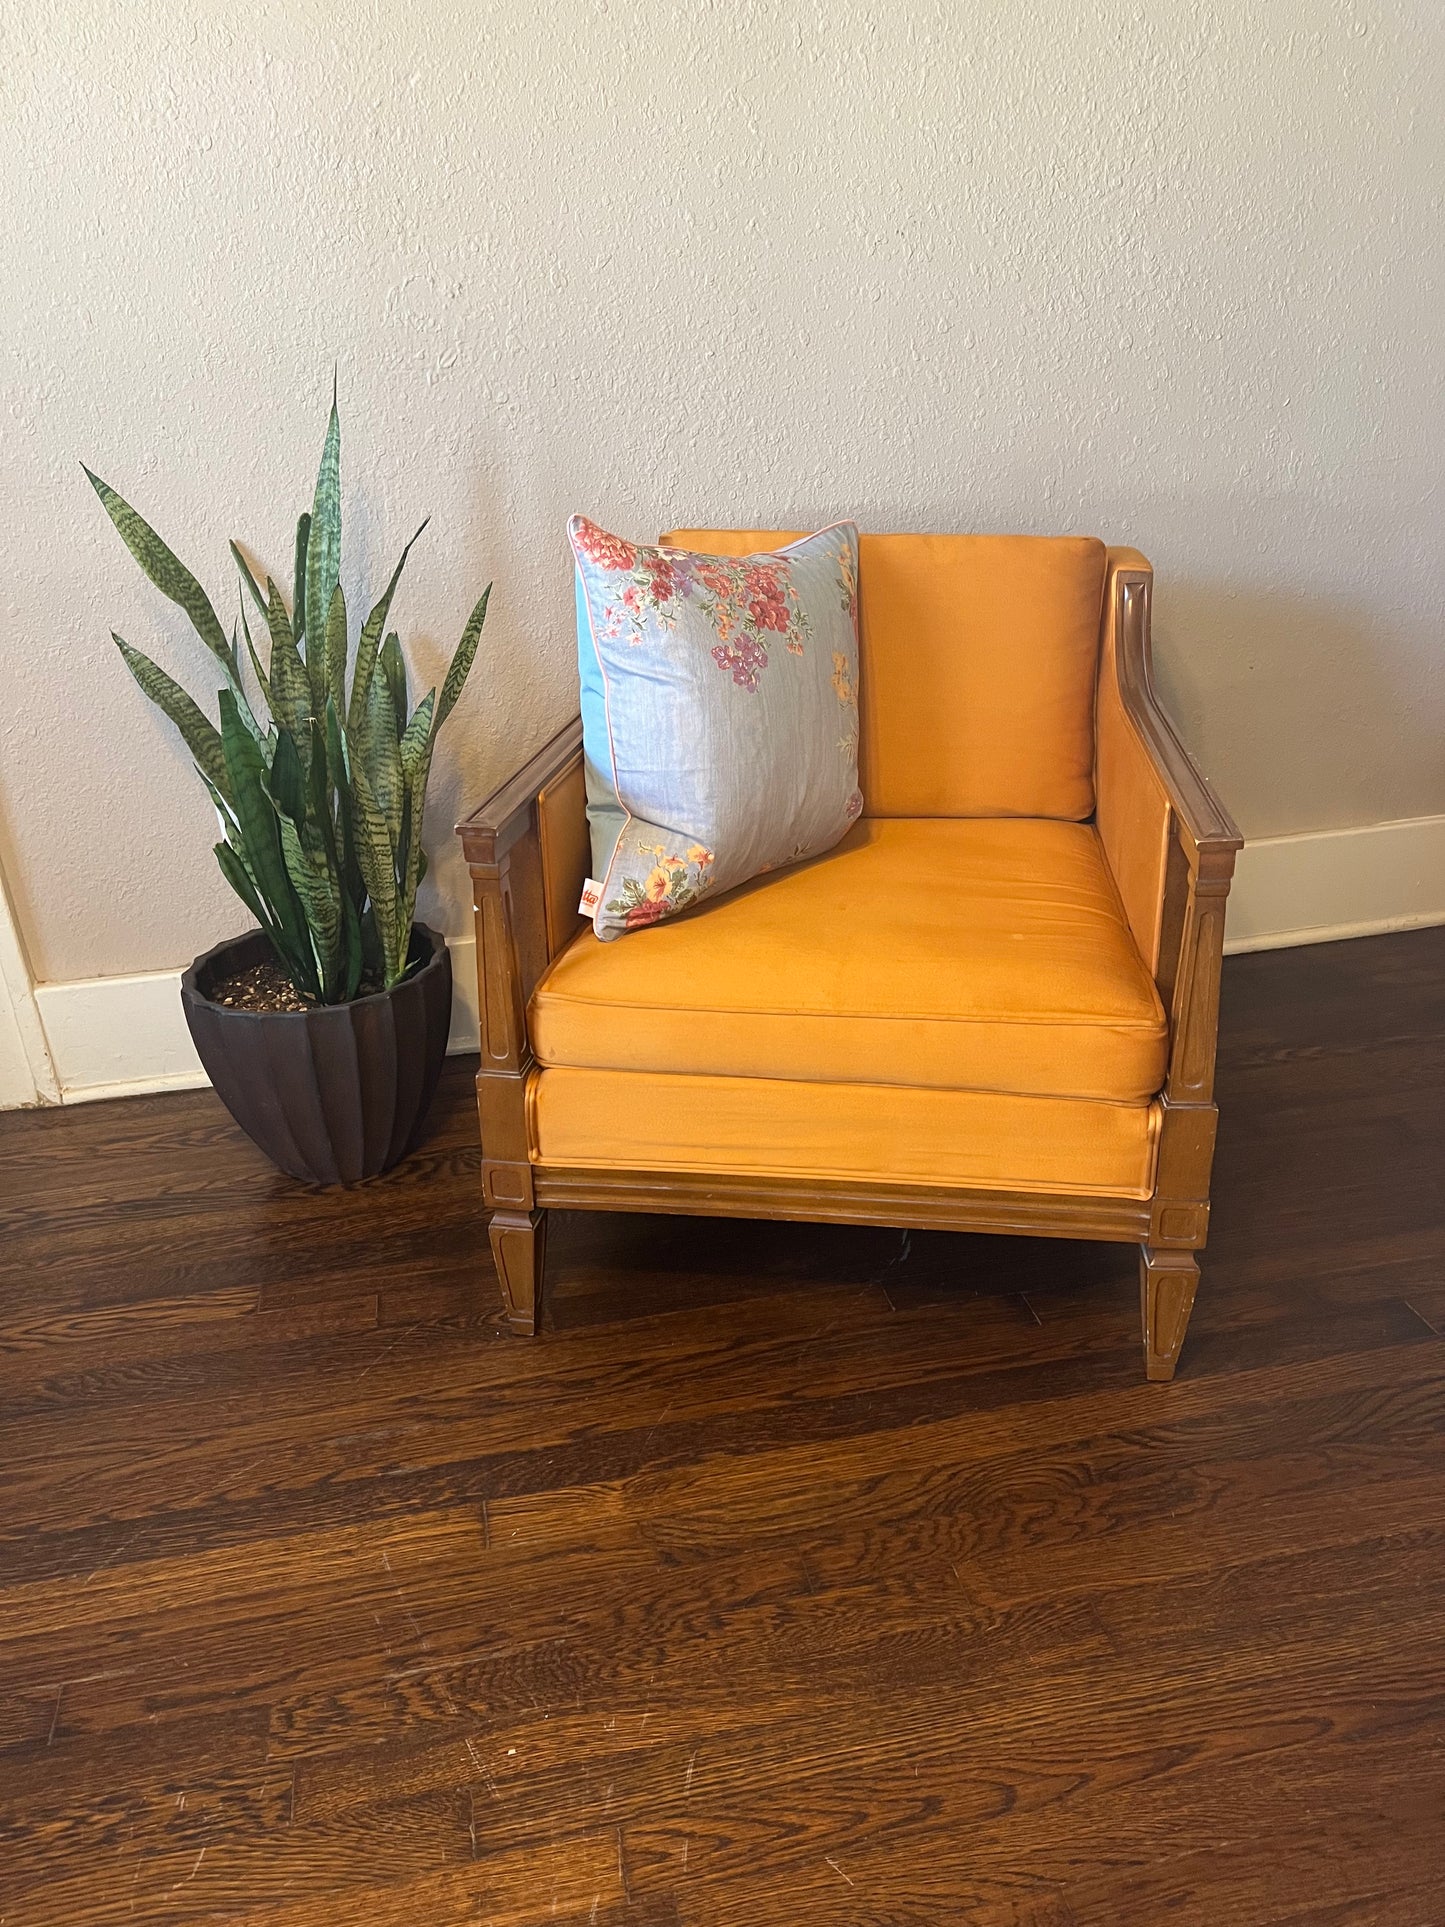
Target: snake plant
[(320, 783)]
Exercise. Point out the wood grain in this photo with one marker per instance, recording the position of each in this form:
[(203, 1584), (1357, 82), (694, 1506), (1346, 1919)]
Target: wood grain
[(819, 1574)]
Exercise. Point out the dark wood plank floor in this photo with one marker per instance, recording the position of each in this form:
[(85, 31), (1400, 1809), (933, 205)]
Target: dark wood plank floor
[(793, 1575)]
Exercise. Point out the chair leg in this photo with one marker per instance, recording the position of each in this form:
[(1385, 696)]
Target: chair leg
[(1167, 1282), (519, 1247)]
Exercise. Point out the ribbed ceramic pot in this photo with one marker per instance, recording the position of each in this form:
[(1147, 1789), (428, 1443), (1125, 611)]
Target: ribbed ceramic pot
[(335, 1094)]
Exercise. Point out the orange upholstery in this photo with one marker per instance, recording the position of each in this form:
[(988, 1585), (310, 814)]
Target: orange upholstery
[(765, 1127), (950, 954), (978, 661)]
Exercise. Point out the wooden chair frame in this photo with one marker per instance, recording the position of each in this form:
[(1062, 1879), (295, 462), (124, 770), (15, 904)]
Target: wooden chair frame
[(503, 842)]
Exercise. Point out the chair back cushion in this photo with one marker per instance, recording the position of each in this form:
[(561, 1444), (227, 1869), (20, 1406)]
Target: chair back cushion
[(978, 663)]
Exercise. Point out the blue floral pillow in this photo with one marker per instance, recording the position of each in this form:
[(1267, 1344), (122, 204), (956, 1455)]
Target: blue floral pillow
[(719, 714)]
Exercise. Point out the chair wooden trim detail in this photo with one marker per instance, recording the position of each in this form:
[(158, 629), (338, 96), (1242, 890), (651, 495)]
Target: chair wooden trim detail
[(503, 840)]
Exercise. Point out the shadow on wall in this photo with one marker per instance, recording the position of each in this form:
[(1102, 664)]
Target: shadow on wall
[(1299, 708)]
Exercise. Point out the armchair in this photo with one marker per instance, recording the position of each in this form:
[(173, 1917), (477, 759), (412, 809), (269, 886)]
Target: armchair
[(992, 1007)]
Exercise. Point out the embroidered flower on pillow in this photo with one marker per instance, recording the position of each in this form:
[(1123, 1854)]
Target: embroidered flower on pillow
[(673, 883), (748, 600)]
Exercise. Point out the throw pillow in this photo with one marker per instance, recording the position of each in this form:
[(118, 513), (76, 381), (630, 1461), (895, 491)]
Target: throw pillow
[(719, 714)]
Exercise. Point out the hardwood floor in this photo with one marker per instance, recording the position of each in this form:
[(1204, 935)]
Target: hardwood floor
[(793, 1575)]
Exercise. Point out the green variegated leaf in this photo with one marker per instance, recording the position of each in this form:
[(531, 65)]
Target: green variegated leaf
[(224, 817), (373, 957), (259, 828), (349, 973), (377, 859), (288, 777), (416, 814), (461, 662), (353, 884), (336, 751), (243, 706), (320, 898), (415, 747), (394, 670), (298, 579), (230, 829), (263, 681), (246, 576), (370, 643), (247, 795), (320, 828), (166, 571), (338, 761), (235, 873), (290, 690), (379, 754), (418, 771), (335, 666), (200, 735), (417, 735), (323, 539), (175, 581), (318, 780)]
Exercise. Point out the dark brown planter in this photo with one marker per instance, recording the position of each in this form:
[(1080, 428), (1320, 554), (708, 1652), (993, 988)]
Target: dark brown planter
[(335, 1094)]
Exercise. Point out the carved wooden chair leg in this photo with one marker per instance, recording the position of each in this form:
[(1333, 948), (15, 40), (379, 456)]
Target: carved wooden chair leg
[(1167, 1282), (519, 1247)]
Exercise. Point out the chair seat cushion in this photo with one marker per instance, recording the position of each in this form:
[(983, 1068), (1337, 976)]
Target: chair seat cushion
[(985, 954), (765, 1128)]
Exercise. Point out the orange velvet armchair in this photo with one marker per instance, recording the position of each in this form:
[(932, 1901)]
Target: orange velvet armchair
[(992, 1007)]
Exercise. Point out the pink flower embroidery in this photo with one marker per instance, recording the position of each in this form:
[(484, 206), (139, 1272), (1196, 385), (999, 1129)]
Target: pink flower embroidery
[(607, 551), (750, 600), (652, 582), (747, 660)]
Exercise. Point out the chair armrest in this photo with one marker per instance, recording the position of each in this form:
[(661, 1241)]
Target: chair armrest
[(1201, 816), (1170, 842), (1153, 804), (495, 825), (546, 800), (526, 848)]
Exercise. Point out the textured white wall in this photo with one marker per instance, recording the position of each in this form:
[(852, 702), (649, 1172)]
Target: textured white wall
[(1166, 272)]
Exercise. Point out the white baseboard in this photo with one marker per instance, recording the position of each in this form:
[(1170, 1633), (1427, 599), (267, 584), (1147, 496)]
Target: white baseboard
[(1329, 884), (120, 1036)]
